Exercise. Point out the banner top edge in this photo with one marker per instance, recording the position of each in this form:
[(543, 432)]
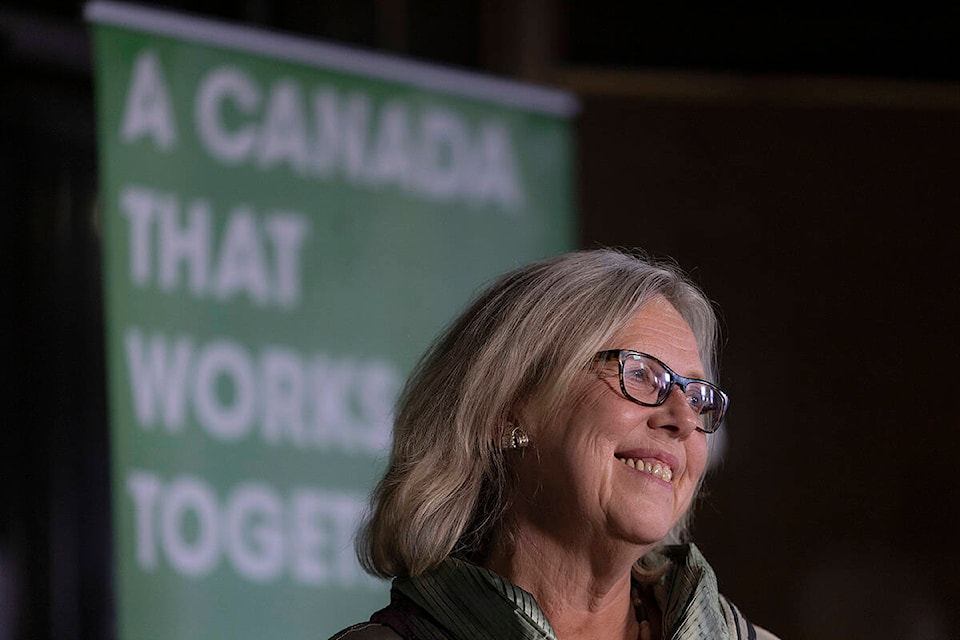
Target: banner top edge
[(293, 48)]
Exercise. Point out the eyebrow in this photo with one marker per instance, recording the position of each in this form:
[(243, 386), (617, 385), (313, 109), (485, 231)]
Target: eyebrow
[(699, 375)]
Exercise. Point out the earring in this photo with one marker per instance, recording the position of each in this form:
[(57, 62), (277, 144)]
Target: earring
[(516, 438)]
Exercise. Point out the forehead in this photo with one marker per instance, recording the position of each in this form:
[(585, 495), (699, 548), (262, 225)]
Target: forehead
[(659, 329)]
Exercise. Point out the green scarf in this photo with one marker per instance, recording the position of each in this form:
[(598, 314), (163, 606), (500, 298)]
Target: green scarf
[(467, 602)]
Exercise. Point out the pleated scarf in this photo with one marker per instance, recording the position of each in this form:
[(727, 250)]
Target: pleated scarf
[(462, 601)]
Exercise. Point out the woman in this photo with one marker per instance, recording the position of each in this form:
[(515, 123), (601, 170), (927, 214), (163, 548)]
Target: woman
[(546, 453)]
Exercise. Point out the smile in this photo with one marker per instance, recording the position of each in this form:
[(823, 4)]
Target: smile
[(653, 467)]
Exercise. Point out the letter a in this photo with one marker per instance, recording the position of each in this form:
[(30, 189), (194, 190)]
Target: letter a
[(148, 110)]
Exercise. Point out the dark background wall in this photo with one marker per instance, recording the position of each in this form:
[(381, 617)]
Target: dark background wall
[(828, 237), (801, 164)]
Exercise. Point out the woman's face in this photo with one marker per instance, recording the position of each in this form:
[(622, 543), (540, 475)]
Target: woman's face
[(589, 482)]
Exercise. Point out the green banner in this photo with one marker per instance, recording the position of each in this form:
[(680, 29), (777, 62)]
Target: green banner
[(286, 225)]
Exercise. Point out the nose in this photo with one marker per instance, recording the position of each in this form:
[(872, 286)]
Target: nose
[(676, 415)]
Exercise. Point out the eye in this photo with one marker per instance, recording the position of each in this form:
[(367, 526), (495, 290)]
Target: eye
[(639, 375), (702, 399)]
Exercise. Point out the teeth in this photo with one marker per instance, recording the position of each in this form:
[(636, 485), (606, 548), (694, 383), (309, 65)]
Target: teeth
[(656, 469)]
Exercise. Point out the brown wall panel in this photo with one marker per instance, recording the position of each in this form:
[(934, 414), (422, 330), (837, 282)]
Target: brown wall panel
[(827, 236)]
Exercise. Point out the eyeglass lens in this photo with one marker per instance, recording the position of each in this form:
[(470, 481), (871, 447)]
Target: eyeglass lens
[(646, 380)]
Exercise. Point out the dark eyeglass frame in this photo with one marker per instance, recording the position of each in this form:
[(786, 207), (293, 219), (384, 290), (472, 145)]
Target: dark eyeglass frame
[(674, 379)]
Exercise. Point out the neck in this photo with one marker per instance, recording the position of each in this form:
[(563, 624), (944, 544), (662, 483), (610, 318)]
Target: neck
[(584, 594)]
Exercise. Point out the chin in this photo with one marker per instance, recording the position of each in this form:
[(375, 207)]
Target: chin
[(646, 536)]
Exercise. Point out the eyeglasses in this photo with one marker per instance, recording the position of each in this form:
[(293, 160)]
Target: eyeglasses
[(648, 382)]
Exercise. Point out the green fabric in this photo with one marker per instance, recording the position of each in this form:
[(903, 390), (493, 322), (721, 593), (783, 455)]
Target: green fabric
[(471, 603), (693, 608)]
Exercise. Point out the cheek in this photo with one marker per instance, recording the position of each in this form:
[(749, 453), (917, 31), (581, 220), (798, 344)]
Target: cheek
[(697, 457)]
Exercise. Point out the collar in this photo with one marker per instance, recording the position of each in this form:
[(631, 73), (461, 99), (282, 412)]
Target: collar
[(693, 606)]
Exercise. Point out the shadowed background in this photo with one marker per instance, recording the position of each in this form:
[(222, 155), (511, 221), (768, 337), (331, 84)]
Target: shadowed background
[(801, 164)]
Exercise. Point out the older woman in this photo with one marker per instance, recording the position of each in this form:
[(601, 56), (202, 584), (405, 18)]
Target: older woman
[(546, 453)]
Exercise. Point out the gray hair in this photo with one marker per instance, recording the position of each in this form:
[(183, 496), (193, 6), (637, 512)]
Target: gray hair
[(528, 336)]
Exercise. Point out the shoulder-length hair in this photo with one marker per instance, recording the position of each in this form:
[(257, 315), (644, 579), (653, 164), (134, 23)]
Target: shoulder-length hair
[(528, 336)]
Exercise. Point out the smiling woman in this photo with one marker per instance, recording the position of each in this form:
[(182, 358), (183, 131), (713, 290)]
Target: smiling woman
[(546, 453)]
